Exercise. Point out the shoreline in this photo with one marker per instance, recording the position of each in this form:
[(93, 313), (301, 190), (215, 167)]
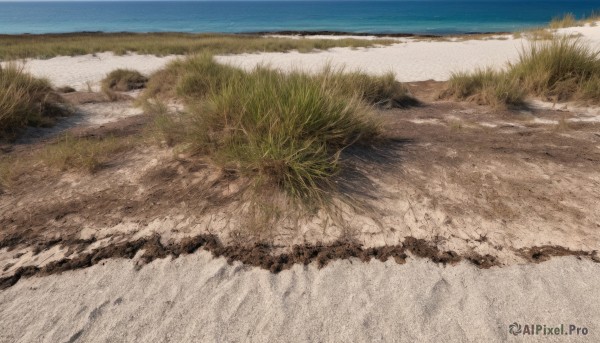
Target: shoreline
[(291, 33)]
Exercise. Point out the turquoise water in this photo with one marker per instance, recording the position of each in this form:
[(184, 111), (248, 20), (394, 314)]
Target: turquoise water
[(424, 17)]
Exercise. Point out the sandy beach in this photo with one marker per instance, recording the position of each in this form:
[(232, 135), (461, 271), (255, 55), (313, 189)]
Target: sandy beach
[(476, 219), (199, 298)]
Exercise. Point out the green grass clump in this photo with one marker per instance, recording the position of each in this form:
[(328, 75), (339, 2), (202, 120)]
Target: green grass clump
[(561, 69), (556, 69), (162, 44), (280, 129), (25, 101), (283, 129)]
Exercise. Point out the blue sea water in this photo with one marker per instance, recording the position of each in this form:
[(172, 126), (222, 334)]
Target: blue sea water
[(401, 16)]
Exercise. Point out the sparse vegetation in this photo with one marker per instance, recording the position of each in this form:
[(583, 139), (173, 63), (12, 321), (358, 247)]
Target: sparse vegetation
[(559, 70), (87, 154), (25, 101), (51, 45)]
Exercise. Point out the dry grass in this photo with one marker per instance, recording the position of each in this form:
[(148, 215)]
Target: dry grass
[(567, 20), (65, 153), (25, 101), (87, 154), (51, 45)]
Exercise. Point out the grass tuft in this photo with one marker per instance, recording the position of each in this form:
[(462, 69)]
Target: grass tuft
[(25, 101), (567, 20), (286, 130), (485, 87)]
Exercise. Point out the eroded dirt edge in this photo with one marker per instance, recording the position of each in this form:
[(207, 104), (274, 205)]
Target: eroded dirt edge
[(262, 256)]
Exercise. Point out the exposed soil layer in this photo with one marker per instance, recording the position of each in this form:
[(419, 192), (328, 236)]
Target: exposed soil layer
[(263, 256)]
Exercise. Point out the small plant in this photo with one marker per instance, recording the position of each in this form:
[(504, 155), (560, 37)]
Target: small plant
[(123, 80)]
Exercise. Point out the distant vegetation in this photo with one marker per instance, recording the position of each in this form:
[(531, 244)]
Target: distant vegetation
[(569, 20), (561, 69), (25, 100), (51, 45), (280, 129)]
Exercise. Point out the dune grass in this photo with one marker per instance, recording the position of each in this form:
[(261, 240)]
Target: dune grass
[(567, 20), (561, 69), (196, 76), (280, 129), (51, 45), (485, 87), (25, 101), (570, 20)]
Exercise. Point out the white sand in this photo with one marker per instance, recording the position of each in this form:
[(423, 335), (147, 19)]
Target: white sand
[(79, 71), (200, 299), (410, 60)]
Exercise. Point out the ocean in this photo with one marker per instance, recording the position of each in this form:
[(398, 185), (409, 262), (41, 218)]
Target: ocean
[(419, 17)]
